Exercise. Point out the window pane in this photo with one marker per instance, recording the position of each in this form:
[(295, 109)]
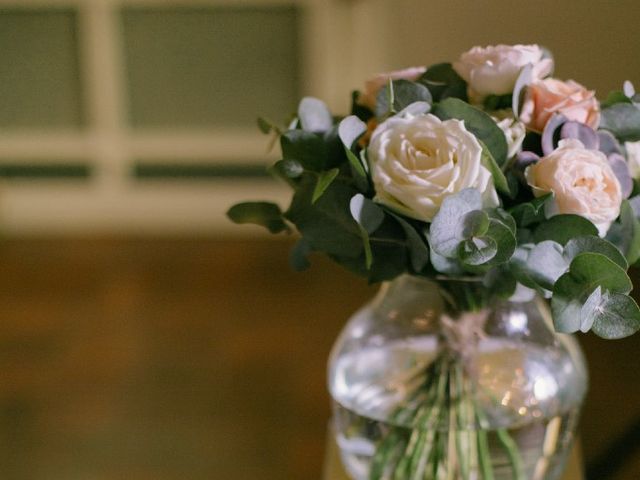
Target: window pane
[(211, 66), (39, 74)]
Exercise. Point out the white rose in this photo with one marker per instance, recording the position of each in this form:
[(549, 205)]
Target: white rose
[(582, 182), (417, 161), (514, 130), (493, 70), (633, 158)]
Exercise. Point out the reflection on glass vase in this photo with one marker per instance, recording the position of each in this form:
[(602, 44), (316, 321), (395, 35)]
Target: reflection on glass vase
[(443, 381)]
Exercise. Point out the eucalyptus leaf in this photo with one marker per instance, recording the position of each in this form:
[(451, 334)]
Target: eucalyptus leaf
[(594, 244), (504, 238), (499, 180), (546, 263), (398, 95), (288, 170), (524, 78), (615, 96), (350, 129), (364, 211), (442, 264), (477, 122), (314, 115), (327, 225), (587, 272), (562, 228), (550, 134), (447, 229), (324, 180), (623, 120), (444, 82), (305, 147), (630, 232), (477, 251), (528, 213), (418, 250), (617, 316), (265, 214)]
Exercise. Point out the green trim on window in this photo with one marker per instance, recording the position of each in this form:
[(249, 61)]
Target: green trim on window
[(186, 171), (45, 172)]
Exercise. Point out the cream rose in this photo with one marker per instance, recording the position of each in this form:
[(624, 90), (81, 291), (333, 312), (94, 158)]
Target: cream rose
[(417, 161), (493, 70), (549, 96), (633, 158), (368, 98), (582, 182)]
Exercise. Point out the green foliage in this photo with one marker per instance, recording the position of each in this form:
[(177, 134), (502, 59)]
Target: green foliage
[(477, 122), (265, 214), (587, 272), (462, 231), (369, 217), (562, 228), (307, 148), (327, 225), (398, 95), (350, 129), (529, 213), (623, 120), (490, 164), (418, 250), (625, 233), (324, 180), (443, 82), (614, 97)]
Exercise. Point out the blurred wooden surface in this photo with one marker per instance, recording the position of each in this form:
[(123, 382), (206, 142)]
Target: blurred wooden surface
[(195, 359)]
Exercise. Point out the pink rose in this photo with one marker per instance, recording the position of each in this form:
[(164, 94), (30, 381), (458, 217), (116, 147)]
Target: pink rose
[(582, 183), (373, 85), (549, 96)]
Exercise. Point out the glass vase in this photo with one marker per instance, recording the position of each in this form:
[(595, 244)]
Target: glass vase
[(441, 380)]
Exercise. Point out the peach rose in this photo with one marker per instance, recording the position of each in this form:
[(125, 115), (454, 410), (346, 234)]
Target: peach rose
[(368, 98), (582, 183), (493, 70), (549, 96)]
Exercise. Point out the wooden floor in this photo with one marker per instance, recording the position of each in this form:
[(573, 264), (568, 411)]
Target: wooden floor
[(194, 359)]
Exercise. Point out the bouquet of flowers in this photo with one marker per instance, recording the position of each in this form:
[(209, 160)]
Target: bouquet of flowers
[(486, 167), (492, 179)]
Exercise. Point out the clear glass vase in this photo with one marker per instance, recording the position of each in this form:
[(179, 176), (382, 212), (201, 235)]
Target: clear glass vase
[(425, 391)]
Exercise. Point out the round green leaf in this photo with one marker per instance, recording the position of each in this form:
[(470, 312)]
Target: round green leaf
[(562, 228), (448, 226), (401, 94), (617, 316), (594, 244), (587, 272), (477, 250)]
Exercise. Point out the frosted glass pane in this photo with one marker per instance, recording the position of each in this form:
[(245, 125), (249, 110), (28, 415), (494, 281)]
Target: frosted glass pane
[(211, 66), (39, 74)]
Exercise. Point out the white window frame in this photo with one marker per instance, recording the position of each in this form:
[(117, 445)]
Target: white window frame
[(340, 40)]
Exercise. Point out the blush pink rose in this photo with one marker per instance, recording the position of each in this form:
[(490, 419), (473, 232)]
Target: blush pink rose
[(373, 85), (549, 96), (582, 182)]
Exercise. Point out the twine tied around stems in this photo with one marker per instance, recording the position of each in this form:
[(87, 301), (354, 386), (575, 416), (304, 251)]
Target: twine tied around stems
[(463, 334)]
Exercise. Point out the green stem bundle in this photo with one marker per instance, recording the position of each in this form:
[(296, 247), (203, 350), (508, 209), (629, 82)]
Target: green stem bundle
[(449, 436)]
